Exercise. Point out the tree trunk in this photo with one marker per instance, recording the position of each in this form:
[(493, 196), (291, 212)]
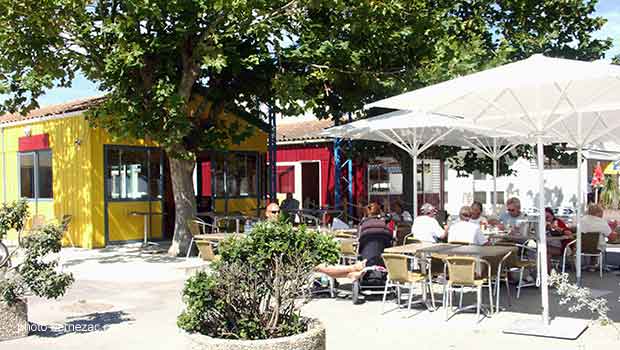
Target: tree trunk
[(181, 172)]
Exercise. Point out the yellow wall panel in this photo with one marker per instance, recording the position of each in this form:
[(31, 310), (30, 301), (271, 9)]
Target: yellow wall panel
[(125, 227)]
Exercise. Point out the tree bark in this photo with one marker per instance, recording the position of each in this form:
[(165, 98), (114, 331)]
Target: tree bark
[(181, 172)]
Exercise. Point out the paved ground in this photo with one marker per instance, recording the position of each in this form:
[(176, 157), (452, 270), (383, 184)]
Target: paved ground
[(127, 299)]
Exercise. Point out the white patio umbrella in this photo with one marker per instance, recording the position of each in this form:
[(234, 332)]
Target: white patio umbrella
[(532, 96), (415, 132)]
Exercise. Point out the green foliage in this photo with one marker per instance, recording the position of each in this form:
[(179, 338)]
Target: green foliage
[(252, 292), (13, 216), (611, 193), (36, 273)]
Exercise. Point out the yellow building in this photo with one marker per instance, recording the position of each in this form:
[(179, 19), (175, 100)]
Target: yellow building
[(63, 166)]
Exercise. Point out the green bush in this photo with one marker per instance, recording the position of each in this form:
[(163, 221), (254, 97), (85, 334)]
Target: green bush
[(13, 216), (257, 288), (36, 273)]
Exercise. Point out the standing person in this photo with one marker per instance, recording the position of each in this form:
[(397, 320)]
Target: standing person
[(425, 227), (465, 231), (289, 206), (398, 214), (476, 214)]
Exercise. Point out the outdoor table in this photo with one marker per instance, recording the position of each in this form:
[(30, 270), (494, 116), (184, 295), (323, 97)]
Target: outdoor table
[(147, 220), (218, 237), (409, 249)]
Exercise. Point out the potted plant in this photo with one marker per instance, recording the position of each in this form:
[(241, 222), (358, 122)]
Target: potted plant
[(35, 273), (252, 297)]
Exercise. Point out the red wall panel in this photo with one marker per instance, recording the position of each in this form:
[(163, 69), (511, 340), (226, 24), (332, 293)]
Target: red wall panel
[(34, 142)]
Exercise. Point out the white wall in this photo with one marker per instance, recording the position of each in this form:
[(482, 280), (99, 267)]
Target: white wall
[(560, 187)]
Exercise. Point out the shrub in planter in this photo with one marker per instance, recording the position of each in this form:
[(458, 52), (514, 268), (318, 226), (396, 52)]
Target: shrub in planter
[(257, 288), (35, 273)]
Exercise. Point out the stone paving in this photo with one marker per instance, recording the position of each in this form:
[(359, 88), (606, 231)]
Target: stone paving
[(126, 298)]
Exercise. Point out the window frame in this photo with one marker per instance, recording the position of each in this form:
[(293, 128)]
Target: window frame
[(35, 154), (226, 155), (147, 150)]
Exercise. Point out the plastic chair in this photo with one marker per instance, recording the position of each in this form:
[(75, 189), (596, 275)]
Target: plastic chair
[(461, 272), (64, 224), (348, 252), (589, 247), (400, 277), (206, 250), (196, 228), (402, 230)]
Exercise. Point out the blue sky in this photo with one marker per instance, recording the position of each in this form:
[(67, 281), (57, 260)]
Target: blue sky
[(609, 9)]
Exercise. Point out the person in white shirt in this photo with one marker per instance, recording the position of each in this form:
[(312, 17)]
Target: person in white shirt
[(425, 227), (594, 222), (465, 231)]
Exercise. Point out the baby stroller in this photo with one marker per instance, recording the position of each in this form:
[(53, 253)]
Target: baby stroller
[(373, 239)]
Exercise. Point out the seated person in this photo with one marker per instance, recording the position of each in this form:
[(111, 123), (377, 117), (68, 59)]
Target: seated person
[(512, 217), (272, 212), (426, 228), (375, 220), (556, 227), (374, 236), (594, 222), (465, 231), (400, 215), (476, 214)]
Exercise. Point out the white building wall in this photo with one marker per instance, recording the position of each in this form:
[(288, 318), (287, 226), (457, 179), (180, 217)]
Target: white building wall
[(560, 187)]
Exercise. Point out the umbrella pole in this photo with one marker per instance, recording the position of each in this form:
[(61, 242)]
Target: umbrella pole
[(542, 244), (415, 185), (579, 206), (494, 185)]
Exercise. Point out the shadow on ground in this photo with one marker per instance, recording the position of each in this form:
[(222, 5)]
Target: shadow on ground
[(90, 323)]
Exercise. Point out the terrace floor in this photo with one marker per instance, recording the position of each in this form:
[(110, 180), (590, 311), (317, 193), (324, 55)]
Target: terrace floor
[(125, 298)]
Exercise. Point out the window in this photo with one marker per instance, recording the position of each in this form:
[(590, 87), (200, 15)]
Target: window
[(480, 196), (479, 176), (35, 175), (285, 179), (235, 174), (133, 173)]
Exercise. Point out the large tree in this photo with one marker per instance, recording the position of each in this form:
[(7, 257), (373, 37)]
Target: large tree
[(355, 52), (161, 63)]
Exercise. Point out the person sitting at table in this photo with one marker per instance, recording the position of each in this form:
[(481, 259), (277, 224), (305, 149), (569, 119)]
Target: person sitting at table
[(556, 227), (476, 214), (398, 214), (513, 216), (289, 206), (426, 228), (593, 222), (272, 212), (465, 231)]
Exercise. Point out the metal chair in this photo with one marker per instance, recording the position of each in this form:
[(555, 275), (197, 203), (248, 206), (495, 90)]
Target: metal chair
[(400, 277), (524, 262), (410, 239), (589, 247), (461, 272)]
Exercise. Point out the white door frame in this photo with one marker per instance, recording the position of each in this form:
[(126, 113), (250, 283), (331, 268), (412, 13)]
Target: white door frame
[(298, 183)]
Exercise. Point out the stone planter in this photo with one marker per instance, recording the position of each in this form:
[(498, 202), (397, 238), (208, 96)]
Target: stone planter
[(13, 320), (312, 339)]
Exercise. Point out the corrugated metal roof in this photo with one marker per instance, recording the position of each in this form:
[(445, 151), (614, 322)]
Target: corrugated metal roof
[(67, 107)]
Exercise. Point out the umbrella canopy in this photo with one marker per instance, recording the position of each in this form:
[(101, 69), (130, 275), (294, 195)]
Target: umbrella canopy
[(612, 168), (562, 100), (415, 132)]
